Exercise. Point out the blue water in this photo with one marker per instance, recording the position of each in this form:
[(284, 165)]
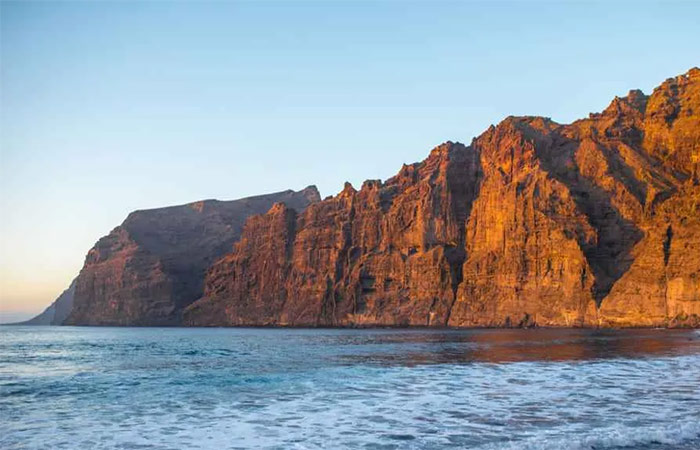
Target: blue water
[(175, 388)]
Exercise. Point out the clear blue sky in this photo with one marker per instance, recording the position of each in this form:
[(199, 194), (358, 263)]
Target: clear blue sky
[(112, 107)]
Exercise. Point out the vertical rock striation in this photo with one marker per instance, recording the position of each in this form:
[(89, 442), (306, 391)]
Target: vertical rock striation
[(388, 254)]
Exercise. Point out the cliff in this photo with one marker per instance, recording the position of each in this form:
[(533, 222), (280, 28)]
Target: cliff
[(594, 223), (389, 253), (152, 266)]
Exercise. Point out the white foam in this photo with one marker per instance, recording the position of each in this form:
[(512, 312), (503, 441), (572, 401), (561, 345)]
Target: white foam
[(616, 436), (187, 394)]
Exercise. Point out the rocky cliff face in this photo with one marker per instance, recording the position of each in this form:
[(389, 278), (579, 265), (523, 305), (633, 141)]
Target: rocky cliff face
[(595, 223), (390, 253), (152, 266)]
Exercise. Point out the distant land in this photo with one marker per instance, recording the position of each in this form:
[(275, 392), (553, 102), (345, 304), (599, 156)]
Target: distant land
[(591, 224)]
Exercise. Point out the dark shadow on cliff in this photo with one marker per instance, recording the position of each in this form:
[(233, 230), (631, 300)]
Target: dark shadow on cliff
[(468, 189), (610, 255)]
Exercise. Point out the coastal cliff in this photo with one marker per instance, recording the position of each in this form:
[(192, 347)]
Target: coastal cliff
[(595, 223), (152, 266), (590, 224)]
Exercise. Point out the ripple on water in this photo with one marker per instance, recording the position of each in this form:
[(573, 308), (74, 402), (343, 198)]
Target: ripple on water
[(64, 387)]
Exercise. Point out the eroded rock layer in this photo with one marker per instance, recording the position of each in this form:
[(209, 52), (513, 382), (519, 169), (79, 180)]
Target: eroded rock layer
[(595, 223)]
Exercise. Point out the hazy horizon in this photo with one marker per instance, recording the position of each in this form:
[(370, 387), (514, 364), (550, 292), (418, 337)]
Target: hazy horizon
[(111, 107)]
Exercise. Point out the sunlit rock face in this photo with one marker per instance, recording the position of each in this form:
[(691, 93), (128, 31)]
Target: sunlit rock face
[(389, 253), (152, 266), (595, 223)]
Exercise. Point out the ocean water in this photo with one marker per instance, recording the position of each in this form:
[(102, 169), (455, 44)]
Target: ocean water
[(178, 388)]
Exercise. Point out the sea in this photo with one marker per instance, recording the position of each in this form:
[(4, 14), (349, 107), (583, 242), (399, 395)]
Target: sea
[(240, 388)]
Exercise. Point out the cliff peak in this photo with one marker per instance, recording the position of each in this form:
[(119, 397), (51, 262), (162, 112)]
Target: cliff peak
[(348, 190), (311, 193), (633, 103), (370, 185)]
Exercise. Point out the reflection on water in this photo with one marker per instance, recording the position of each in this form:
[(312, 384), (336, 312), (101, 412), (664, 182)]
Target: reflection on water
[(502, 346)]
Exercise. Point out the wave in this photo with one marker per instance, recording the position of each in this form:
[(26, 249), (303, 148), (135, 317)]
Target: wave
[(679, 435)]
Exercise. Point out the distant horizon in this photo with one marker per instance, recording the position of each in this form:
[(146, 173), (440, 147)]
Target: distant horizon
[(114, 107)]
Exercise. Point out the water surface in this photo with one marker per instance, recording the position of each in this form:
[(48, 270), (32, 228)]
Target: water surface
[(174, 388)]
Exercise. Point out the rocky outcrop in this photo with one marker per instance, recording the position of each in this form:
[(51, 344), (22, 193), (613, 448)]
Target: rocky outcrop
[(152, 266), (672, 124), (595, 223)]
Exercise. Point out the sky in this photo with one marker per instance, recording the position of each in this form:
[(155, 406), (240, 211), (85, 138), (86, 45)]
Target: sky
[(106, 108)]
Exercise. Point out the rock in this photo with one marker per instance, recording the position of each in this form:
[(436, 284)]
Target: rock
[(662, 286), (152, 266), (534, 224), (672, 124), (388, 254)]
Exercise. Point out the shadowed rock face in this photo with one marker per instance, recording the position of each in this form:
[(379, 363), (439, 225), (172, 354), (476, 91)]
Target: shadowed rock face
[(595, 223), (148, 269)]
